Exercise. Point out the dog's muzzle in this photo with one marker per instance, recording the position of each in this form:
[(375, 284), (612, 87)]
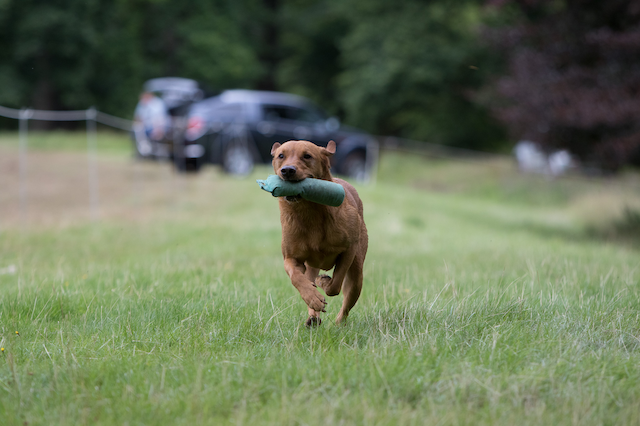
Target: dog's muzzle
[(288, 172)]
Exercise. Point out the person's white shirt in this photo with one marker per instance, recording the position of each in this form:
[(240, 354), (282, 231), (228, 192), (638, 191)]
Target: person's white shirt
[(153, 114)]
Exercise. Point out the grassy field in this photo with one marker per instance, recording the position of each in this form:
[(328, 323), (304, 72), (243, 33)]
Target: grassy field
[(490, 298)]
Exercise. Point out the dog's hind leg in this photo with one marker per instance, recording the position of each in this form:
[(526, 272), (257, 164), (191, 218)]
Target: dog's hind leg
[(333, 285), (351, 288), (314, 318)]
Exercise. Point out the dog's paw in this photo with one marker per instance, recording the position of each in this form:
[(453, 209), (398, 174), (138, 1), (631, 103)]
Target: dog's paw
[(326, 283), (314, 300), (323, 281), (313, 321)]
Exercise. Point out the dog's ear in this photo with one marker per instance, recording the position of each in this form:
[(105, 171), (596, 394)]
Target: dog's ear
[(331, 148), (274, 148)]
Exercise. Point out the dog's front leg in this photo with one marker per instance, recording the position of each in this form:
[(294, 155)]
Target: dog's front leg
[(314, 316), (310, 294)]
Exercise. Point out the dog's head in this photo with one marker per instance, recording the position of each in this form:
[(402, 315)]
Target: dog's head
[(297, 160)]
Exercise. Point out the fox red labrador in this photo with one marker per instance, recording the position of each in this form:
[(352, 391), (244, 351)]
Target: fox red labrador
[(315, 236)]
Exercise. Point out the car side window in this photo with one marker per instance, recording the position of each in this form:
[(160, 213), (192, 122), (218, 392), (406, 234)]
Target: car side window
[(280, 112), (308, 115), (275, 112)]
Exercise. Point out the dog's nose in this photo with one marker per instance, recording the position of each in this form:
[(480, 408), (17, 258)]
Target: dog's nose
[(288, 171)]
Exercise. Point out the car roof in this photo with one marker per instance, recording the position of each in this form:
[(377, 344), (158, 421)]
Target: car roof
[(174, 91), (262, 97), (171, 83)]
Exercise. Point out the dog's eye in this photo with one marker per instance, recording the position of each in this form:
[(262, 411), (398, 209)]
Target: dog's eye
[(281, 156), (307, 157)]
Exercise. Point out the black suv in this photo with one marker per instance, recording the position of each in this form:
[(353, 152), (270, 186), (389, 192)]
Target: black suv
[(237, 128)]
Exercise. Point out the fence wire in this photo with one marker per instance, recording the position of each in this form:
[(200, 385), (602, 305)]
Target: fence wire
[(78, 115), (91, 116)]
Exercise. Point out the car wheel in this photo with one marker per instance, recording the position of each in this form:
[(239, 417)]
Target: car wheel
[(237, 159), (355, 166)]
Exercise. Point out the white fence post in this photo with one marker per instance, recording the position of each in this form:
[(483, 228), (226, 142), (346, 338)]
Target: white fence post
[(25, 114), (91, 160)]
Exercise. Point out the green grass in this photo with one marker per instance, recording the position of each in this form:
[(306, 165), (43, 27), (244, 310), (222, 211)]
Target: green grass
[(478, 308)]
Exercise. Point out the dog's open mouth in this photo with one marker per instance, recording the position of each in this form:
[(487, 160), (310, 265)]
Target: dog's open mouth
[(293, 198)]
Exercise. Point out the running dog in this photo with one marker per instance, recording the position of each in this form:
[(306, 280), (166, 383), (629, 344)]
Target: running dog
[(315, 236)]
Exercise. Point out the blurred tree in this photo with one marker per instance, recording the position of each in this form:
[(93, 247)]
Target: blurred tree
[(68, 54), (269, 49), (310, 42), (573, 79), (409, 67), (404, 68), (42, 48)]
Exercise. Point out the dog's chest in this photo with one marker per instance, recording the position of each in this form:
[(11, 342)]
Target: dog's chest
[(317, 240), (315, 237)]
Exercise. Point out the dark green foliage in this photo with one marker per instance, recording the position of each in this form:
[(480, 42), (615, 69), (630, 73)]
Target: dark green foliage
[(404, 68), (71, 54), (409, 68), (43, 51), (311, 61)]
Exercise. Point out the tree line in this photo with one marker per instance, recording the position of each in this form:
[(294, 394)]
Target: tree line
[(468, 73)]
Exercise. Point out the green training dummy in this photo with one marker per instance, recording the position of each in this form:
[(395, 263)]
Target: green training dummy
[(314, 190)]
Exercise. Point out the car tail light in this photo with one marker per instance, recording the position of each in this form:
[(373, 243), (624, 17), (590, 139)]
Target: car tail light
[(196, 127)]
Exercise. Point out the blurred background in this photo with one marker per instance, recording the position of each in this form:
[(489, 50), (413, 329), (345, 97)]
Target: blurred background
[(470, 73), (547, 77)]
